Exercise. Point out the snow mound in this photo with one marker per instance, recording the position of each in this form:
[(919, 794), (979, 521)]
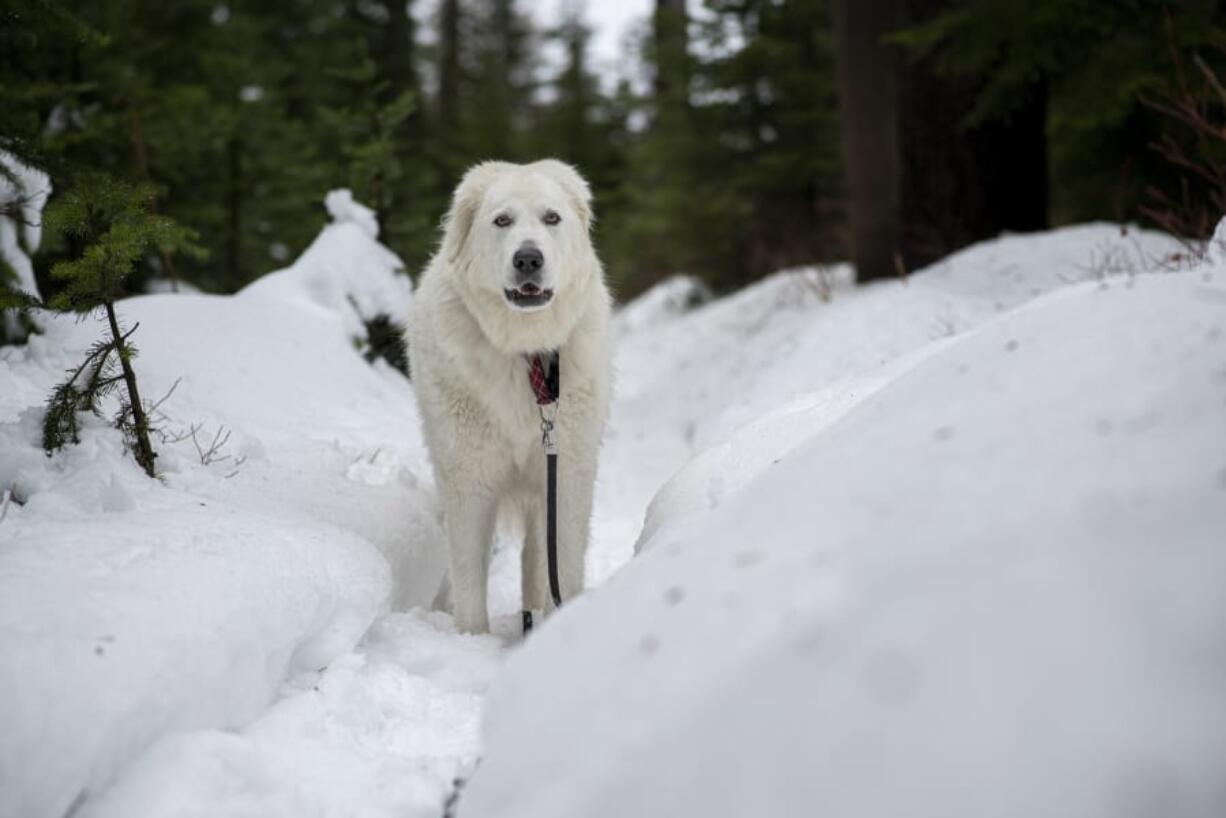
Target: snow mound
[(995, 586), (294, 506), (344, 272), (671, 297), (157, 618), (342, 207), (687, 381)]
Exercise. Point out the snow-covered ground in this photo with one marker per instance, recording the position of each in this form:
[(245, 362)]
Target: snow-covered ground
[(948, 546)]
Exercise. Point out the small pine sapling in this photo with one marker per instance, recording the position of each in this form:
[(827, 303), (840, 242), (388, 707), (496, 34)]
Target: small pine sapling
[(114, 226), (385, 339)]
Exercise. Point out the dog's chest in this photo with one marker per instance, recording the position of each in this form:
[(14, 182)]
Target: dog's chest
[(505, 392)]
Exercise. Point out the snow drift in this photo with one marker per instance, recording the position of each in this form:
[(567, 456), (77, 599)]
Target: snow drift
[(994, 584), (294, 507)]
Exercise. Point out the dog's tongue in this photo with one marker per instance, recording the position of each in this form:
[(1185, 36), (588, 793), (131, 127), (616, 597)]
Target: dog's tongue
[(529, 289)]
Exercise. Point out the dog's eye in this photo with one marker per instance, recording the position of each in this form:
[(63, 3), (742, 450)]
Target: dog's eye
[(502, 220), (551, 217)]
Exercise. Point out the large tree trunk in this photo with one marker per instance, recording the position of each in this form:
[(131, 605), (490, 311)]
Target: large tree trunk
[(868, 93), (960, 184)]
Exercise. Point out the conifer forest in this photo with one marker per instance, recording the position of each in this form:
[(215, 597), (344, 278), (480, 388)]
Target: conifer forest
[(727, 139)]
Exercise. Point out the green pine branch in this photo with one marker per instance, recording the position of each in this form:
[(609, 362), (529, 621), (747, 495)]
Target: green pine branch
[(114, 224)]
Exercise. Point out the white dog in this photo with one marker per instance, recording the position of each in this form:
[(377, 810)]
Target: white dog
[(515, 275)]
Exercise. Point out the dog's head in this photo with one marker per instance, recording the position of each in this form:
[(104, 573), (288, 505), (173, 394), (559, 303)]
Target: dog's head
[(520, 232)]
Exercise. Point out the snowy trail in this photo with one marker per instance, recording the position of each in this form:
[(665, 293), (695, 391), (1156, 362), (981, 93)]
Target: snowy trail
[(383, 731), (389, 726)]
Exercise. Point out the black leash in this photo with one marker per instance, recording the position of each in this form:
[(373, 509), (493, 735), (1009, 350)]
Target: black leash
[(551, 522), (545, 376)]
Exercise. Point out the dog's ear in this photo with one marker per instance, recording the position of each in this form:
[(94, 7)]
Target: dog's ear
[(465, 203), (576, 187)]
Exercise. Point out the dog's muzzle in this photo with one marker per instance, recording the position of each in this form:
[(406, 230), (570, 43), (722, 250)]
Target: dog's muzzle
[(528, 296)]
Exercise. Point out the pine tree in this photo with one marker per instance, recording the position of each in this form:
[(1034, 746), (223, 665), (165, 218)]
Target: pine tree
[(580, 124), (498, 80), (768, 75), (115, 228), (365, 136), (663, 209), (1096, 63)]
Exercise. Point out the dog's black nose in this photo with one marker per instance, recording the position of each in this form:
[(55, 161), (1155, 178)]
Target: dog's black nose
[(528, 260)]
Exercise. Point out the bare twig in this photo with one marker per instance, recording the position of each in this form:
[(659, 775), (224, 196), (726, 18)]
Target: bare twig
[(179, 436), (818, 281), (212, 453), (1193, 144), (156, 405), (237, 465), (1210, 77)]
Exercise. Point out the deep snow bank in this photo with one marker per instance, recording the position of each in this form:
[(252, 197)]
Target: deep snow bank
[(687, 381), (995, 586), (130, 608)]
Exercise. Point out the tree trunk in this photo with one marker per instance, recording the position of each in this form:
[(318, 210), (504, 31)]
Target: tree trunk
[(868, 93), (234, 204), (961, 184), (400, 77), (143, 449), (448, 89), (671, 45)]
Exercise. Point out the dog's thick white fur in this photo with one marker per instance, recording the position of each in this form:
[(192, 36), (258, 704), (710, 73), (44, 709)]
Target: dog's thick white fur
[(470, 329)]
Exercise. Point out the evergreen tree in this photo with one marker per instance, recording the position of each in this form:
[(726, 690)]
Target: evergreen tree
[(365, 136), (1096, 62), (663, 211), (770, 82), (738, 172), (497, 82), (582, 125), (114, 226)]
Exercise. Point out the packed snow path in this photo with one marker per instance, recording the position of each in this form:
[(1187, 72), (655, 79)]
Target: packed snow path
[(203, 657)]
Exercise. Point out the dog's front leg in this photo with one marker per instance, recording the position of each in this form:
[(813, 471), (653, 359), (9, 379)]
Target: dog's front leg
[(469, 517)]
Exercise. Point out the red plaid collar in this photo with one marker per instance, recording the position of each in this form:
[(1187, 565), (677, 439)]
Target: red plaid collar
[(543, 377)]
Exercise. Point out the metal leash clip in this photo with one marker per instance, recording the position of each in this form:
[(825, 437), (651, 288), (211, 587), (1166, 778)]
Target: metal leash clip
[(548, 442)]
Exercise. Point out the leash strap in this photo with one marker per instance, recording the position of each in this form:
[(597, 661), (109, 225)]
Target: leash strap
[(545, 377), (551, 525)]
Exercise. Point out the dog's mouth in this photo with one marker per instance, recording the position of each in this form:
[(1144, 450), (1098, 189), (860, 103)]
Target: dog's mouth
[(528, 297)]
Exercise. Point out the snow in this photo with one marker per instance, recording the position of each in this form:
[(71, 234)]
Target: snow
[(20, 237), (30, 188), (343, 208), (995, 587), (132, 609), (387, 729), (941, 546)]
